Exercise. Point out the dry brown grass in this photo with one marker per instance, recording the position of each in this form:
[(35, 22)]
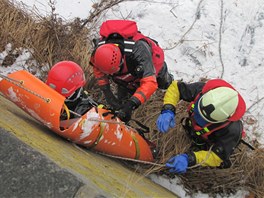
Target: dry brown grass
[(49, 39), (52, 40), (246, 172)]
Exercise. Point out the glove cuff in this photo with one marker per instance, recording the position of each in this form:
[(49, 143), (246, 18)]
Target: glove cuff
[(168, 107), (134, 102)]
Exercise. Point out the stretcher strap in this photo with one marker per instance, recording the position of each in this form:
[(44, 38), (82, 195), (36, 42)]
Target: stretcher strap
[(65, 123), (102, 128), (66, 109), (136, 145)]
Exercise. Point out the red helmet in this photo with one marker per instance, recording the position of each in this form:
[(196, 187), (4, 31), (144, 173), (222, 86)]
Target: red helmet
[(66, 77), (107, 58)]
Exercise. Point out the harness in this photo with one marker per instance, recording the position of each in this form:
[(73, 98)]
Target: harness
[(127, 76), (125, 34), (126, 45)]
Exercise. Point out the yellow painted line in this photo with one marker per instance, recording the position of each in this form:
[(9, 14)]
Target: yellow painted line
[(105, 173)]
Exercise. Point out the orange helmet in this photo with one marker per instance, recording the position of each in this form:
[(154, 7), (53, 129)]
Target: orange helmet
[(107, 58), (66, 77)]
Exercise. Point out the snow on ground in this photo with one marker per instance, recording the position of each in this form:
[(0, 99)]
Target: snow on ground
[(201, 38)]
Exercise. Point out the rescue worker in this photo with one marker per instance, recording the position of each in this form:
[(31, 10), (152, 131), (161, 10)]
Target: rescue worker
[(133, 70), (67, 78), (213, 124)]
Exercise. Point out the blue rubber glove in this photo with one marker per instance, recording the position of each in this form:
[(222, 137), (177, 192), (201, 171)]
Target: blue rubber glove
[(178, 163), (165, 121)]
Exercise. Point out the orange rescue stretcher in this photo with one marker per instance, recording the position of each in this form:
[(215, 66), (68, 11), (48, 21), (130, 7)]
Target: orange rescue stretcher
[(92, 130)]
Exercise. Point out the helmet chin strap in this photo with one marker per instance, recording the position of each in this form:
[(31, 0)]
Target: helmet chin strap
[(197, 116), (121, 66), (74, 96)]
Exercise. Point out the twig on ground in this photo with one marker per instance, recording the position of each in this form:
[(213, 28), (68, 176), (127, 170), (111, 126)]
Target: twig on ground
[(190, 28), (99, 8), (220, 39), (248, 110)]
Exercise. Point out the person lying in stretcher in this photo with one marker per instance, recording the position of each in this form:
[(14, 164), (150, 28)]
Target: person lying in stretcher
[(67, 78)]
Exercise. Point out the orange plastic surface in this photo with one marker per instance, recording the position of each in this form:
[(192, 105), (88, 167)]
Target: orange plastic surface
[(92, 130), (33, 96)]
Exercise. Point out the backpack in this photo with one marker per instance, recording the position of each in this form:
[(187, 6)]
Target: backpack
[(125, 33)]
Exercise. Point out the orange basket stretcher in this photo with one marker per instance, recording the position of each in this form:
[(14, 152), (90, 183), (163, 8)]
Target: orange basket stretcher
[(91, 130)]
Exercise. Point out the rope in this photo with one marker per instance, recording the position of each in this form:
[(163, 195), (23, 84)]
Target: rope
[(146, 129), (99, 120), (147, 162), (20, 84), (106, 121), (144, 162), (133, 137), (134, 160), (122, 158)]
